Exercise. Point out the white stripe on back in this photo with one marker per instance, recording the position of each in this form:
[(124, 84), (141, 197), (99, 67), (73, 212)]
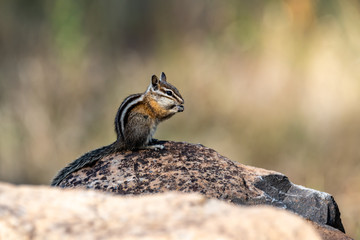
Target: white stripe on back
[(126, 104)]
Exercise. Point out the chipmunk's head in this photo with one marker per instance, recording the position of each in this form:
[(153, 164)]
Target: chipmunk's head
[(165, 95)]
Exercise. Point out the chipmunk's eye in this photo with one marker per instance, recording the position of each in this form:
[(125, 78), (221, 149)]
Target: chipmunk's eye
[(169, 93)]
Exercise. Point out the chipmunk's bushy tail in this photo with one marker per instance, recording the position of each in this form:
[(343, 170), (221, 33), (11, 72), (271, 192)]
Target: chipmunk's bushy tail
[(84, 160)]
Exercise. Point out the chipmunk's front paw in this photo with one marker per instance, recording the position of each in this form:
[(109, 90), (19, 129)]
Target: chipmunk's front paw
[(155, 147)]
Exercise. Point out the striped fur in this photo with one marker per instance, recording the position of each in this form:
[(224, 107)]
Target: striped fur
[(125, 107), (164, 87), (158, 91)]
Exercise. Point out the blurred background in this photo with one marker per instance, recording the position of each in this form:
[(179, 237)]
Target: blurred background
[(272, 84)]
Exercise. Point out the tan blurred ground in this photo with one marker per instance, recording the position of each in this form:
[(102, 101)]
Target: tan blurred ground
[(274, 84)]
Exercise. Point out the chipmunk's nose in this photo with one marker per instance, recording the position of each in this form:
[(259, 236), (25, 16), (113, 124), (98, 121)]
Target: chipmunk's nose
[(180, 108)]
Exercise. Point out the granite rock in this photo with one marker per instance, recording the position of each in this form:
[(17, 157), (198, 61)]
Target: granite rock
[(188, 167), (29, 212)]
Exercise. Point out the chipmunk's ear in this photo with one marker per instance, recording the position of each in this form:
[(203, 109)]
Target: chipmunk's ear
[(163, 77), (154, 82)]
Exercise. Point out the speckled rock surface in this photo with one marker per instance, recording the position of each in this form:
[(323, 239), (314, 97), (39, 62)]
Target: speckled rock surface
[(29, 212), (188, 167)]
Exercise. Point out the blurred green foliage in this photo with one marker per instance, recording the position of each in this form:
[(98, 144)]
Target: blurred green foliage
[(274, 84)]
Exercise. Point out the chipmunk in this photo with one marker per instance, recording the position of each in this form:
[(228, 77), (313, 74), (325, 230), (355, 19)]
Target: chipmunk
[(135, 123)]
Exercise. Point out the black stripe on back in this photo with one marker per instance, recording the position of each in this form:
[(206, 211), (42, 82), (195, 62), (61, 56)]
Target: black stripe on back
[(123, 105)]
